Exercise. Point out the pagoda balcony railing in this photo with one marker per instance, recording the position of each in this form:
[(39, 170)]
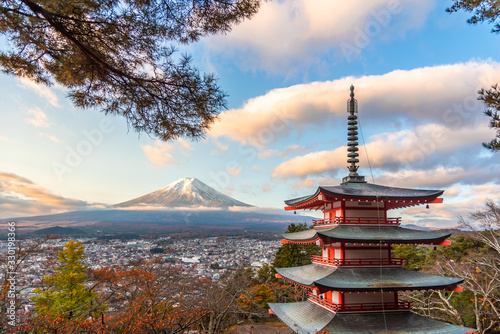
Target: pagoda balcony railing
[(318, 259), (356, 221), (359, 307)]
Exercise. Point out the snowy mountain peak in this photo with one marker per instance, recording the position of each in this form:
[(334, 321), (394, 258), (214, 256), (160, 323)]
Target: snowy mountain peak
[(184, 192)]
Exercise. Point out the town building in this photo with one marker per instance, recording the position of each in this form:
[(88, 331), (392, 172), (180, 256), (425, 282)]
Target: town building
[(354, 286)]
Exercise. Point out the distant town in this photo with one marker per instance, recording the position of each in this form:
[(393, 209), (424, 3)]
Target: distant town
[(211, 257)]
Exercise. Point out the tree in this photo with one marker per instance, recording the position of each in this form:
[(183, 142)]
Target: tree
[(221, 300), (414, 256), (292, 255), (477, 306), (256, 299), (151, 298), (120, 56), (485, 11), (471, 257), (486, 223), (66, 295)]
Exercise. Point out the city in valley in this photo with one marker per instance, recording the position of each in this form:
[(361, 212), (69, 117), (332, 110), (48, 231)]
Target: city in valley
[(211, 257)]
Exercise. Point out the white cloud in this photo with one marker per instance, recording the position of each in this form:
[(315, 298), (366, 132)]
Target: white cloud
[(285, 35), (256, 168), (159, 153), (314, 182), (3, 138), (443, 94), (401, 149), (184, 144), (269, 153), (20, 196), (220, 148), (437, 177), (447, 214), (37, 118), (234, 171), (51, 137), (41, 90)]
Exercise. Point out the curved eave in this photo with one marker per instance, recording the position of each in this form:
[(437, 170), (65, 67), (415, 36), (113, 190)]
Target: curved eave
[(306, 317), (399, 322), (305, 275), (367, 234), (302, 317), (394, 197), (384, 234), (375, 279), (302, 236)]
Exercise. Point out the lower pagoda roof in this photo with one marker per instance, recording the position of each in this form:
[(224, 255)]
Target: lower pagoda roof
[(368, 234), (365, 279), (306, 317)]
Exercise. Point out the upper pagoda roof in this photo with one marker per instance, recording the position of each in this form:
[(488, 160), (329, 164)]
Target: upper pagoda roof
[(364, 191), (365, 279), (306, 317), (368, 234)]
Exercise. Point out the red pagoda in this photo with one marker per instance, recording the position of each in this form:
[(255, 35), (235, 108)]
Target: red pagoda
[(354, 286)]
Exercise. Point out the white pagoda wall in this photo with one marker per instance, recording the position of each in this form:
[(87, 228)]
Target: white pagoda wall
[(365, 213), (367, 253), (369, 297)]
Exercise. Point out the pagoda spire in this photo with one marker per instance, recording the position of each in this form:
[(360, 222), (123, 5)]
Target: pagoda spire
[(352, 137)]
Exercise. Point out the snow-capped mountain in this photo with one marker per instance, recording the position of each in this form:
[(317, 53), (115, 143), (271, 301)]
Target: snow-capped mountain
[(185, 192)]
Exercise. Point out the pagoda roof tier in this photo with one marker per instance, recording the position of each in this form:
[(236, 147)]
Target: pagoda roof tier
[(305, 275), (365, 279), (306, 317), (367, 234), (395, 197)]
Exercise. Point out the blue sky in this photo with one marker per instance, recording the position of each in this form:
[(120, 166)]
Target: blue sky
[(287, 71)]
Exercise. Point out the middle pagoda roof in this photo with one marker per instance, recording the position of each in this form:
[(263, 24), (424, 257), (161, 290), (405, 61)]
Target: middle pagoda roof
[(365, 279), (364, 191), (367, 234)]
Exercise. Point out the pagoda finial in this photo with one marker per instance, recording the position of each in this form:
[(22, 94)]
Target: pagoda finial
[(352, 144)]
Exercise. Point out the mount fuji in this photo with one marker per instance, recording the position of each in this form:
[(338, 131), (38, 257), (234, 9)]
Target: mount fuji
[(185, 192), (185, 207)]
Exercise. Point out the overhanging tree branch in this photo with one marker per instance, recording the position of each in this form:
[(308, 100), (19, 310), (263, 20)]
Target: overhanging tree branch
[(115, 56)]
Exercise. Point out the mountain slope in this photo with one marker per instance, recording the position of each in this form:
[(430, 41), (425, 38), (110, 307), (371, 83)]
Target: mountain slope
[(185, 192), (165, 221)]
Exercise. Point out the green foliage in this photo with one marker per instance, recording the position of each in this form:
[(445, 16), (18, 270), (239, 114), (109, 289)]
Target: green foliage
[(266, 274), (491, 98), (462, 245), (414, 256), (292, 255), (298, 227), (418, 257), (483, 11), (463, 301), (66, 294), (120, 57)]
